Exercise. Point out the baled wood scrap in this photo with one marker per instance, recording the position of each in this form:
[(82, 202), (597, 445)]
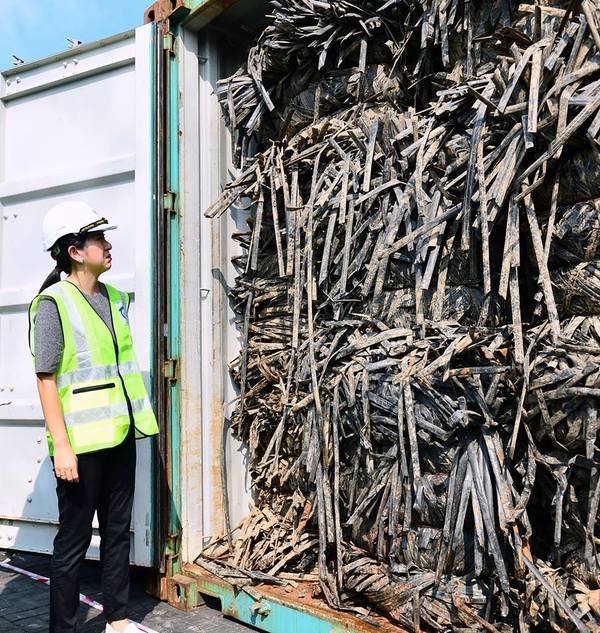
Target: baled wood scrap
[(563, 399), (404, 366), (576, 234), (573, 259)]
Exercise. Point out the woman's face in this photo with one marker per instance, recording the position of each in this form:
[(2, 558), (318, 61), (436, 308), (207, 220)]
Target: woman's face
[(95, 255)]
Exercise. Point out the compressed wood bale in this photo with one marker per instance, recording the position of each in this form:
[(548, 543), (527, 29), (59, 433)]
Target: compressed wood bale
[(390, 589), (401, 292), (462, 304), (573, 259), (578, 172), (336, 91), (576, 234), (563, 419), (577, 289), (580, 176)]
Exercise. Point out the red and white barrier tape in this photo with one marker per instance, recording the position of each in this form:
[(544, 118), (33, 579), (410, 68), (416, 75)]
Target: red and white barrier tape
[(82, 598)]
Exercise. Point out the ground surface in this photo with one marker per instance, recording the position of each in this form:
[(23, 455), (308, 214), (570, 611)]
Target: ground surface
[(24, 603)]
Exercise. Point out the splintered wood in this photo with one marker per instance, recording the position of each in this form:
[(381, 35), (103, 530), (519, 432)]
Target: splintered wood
[(418, 307)]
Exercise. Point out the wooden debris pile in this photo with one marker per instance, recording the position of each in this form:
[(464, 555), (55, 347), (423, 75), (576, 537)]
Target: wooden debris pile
[(418, 302)]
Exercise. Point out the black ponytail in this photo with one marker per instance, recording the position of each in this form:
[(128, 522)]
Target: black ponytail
[(60, 253), (52, 278)]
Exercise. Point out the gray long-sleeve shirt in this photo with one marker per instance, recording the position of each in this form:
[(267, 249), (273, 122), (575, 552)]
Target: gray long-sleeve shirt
[(48, 336)]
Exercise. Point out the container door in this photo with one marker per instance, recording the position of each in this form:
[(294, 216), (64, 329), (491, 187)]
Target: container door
[(78, 125), (214, 482)]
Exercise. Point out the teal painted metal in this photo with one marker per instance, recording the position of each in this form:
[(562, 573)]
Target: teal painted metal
[(278, 615), (172, 131), (192, 5), (199, 5), (153, 369), (210, 7), (176, 19)]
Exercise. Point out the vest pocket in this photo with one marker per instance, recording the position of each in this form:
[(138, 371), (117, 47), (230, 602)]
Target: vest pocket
[(107, 385)]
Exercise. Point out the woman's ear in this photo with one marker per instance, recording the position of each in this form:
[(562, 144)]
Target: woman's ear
[(74, 253)]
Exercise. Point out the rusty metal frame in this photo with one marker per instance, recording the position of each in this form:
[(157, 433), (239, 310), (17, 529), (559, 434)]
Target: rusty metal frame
[(162, 11), (267, 610)]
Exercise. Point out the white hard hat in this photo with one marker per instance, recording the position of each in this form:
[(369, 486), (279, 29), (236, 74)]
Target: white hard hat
[(71, 217)]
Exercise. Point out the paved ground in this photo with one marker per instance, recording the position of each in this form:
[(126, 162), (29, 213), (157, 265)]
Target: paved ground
[(24, 603)]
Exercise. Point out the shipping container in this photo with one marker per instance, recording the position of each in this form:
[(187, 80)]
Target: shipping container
[(131, 125)]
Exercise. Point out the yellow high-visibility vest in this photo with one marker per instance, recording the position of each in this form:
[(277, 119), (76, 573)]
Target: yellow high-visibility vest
[(100, 385)]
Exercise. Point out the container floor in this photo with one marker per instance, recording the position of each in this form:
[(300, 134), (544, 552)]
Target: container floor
[(24, 603)]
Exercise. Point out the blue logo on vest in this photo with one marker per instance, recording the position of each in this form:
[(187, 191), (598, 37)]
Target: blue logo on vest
[(123, 313)]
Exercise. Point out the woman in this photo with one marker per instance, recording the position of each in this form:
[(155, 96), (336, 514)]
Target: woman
[(95, 406)]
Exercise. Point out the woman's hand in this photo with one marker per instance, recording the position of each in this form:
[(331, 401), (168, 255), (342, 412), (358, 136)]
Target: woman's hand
[(65, 463), (65, 460)]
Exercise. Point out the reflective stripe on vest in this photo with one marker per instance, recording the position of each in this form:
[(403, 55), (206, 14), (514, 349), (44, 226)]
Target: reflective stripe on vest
[(98, 378), (81, 345), (106, 413), (101, 372)]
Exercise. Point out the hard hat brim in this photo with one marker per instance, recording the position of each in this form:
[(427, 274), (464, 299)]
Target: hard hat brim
[(102, 227)]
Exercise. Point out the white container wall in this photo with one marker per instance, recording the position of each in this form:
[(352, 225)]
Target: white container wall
[(77, 125)]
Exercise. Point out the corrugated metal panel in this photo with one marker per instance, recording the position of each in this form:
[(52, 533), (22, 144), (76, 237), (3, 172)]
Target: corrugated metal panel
[(209, 335), (76, 125)]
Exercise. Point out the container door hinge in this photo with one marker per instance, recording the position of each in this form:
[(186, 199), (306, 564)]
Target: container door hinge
[(170, 369), (169, 43), (169, 202)]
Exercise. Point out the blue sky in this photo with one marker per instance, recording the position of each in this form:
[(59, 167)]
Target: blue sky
[(33, 29)]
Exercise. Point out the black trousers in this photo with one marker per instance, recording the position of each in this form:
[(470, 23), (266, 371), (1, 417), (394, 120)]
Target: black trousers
[(106, 485)]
